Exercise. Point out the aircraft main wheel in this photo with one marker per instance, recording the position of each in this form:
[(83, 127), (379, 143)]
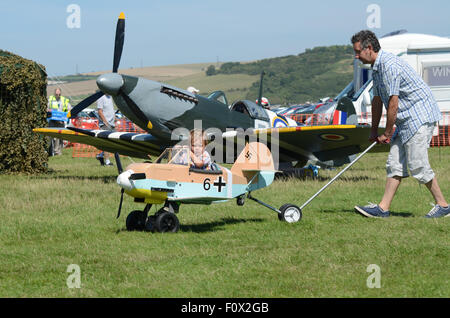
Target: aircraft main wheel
[(135, 221), (167, 222), (290, 213)]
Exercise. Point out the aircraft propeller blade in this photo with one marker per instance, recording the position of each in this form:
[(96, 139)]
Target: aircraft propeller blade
[(118, 45), (120, 204), (118, 162), (119, 168), (84, 103)]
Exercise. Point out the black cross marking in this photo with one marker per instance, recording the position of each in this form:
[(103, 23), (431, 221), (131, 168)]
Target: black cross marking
[(219, 184)]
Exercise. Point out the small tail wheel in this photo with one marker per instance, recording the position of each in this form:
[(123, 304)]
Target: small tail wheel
[(240, 200), (290, 213), (136, 221), (167, 222)]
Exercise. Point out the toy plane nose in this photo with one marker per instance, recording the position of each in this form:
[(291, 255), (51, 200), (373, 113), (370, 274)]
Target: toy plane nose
[(110, 83), (123, 180)]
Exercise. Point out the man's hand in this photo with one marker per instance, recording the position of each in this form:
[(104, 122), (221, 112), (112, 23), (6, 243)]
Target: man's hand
[(383, 139), (373, 136)]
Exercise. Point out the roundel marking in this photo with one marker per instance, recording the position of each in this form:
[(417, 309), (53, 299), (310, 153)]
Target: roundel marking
[(279, 122), (333, 137)]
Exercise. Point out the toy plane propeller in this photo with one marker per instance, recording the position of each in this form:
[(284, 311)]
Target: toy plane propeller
[(172, 181), (160, 109)]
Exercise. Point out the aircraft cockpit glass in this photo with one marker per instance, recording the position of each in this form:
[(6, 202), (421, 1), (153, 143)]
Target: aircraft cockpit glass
[(348, 91), (175, 155), (356, 95), (218, 96), (249, 108)]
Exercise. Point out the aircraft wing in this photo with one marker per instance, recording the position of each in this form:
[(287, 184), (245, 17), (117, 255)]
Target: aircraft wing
[(331, 144), (128, 144)]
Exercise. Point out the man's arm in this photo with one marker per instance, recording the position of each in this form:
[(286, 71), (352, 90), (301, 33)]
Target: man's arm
[(390, 120), (102, 117), (377, 110)]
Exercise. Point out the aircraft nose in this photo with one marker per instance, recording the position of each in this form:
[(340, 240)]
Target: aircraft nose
[(110, 83)]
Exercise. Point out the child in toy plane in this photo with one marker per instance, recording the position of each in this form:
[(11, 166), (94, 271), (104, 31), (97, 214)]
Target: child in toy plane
[(200, 158), (196, 155)]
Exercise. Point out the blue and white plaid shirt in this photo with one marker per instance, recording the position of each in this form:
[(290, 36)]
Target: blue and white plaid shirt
[(416, 104)]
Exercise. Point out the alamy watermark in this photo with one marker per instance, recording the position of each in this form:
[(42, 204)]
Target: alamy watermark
[(73, 21), (374, 19), (374, 279), (224, 147), (74, 279)]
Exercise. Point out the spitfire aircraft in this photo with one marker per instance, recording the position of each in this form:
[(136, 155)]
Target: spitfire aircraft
[(172, 181), (160, 109)]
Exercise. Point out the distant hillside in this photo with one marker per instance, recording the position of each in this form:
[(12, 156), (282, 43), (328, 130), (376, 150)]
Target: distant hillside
[(316, 73)]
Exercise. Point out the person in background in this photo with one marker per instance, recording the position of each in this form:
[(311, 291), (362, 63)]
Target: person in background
[(264, 103), (107, 116), (57, 102), (192, 90)]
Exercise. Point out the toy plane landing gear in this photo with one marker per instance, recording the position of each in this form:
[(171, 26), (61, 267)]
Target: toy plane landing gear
[(165, 220), (288, 212), (171, 181)]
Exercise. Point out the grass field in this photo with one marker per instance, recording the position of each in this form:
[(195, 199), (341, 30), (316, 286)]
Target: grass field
[(65, 217)]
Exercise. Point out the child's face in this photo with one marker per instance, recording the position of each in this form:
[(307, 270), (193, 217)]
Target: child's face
[(197, 146)]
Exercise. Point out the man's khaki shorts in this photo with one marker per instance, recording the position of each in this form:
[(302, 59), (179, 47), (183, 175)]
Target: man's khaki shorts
[(412, 156)]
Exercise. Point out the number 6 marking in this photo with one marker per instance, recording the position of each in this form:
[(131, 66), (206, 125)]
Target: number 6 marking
[(206, 184)]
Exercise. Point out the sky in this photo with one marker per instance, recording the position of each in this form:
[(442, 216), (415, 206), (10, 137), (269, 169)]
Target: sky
[(167, 32)]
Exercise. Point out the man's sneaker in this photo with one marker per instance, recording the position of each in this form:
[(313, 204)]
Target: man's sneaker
[(372, 211), (109, 163), (437, 211)]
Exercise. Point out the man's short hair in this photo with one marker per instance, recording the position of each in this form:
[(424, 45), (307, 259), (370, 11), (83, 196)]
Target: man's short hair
[(366, 37)]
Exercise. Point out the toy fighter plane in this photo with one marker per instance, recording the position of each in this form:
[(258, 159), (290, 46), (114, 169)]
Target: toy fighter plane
[(171, 181), (160, 109)]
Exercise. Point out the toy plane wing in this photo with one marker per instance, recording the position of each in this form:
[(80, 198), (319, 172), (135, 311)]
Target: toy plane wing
[(128, 144)]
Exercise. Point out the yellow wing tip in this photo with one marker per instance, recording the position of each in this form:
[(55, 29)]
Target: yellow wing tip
[(68, 115), (122, 16)]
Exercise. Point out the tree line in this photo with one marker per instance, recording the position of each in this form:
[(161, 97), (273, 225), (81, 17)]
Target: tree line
[(316, 73)]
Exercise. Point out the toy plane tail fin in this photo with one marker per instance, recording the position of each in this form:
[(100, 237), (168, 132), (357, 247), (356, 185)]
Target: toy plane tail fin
[(254, 157)]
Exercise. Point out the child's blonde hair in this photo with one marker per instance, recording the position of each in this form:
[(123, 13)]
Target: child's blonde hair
[(197, 134)]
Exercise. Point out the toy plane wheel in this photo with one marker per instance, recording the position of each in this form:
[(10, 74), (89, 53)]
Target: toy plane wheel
[(240, 200), (150, 224), (135, 221), (290, 213), (167, 222)]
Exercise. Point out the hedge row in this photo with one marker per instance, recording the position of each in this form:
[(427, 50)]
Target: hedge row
[(23, 105)]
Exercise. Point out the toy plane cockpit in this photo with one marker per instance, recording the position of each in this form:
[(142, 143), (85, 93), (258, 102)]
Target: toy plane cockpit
[(172, 180)]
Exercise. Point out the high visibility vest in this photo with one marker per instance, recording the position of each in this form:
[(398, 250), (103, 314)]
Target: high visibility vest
[(53, 103)]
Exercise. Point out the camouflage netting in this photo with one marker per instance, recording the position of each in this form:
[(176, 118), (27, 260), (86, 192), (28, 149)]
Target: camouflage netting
[(23, 106)]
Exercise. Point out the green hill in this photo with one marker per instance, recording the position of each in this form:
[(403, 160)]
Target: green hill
[(293, 79), (308, 76)]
